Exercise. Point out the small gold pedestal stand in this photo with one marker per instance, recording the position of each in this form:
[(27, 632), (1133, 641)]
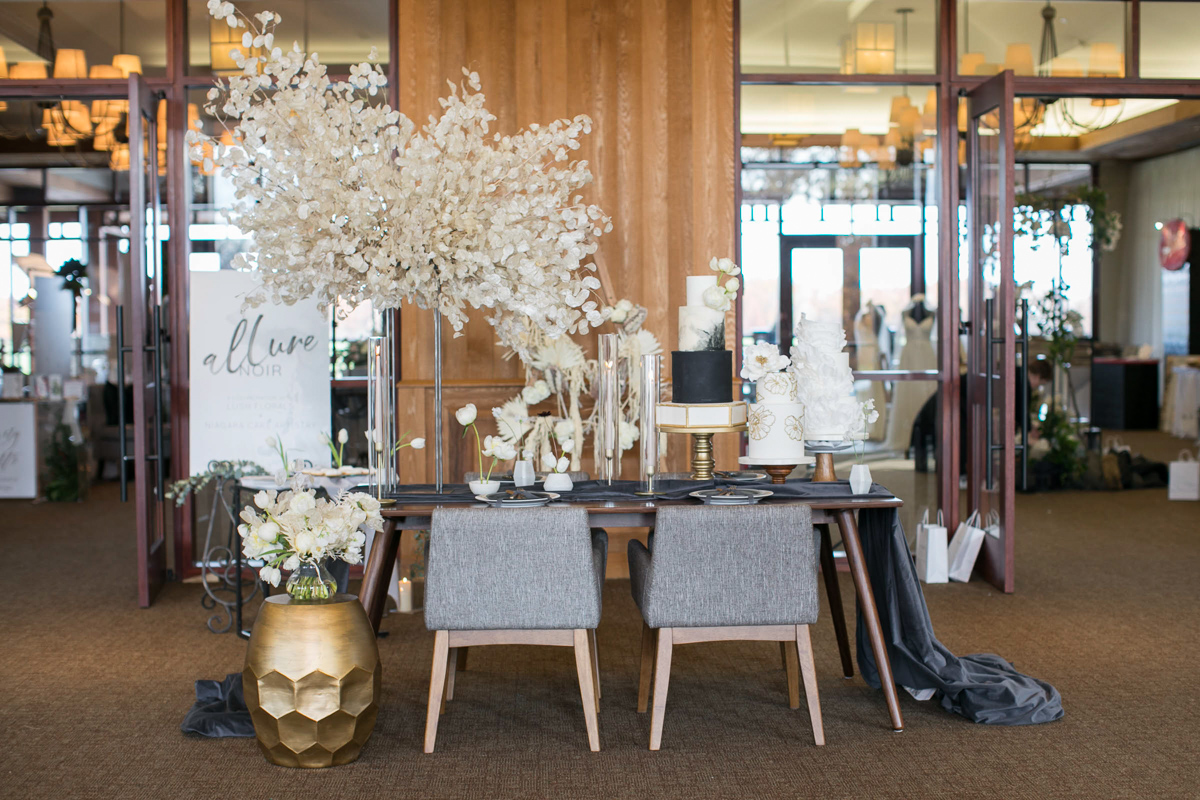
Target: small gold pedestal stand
[(702, 449)]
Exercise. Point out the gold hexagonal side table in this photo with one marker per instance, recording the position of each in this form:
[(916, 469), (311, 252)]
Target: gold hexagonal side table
[(312, 680)]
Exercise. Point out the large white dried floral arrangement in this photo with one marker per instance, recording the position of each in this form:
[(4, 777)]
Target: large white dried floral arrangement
[(559, 374), (348, 201)]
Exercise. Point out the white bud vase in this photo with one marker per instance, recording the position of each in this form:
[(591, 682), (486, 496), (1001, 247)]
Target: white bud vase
[(558, 482), (860, 479), (484, 487)]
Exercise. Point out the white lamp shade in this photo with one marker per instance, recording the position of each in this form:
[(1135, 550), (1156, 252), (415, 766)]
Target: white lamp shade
[(1063, 67), (70, 63), (1104, 61), (3, 64), (970, 63), (28, 71), (899, 103), (128, 64), (1019, 58)]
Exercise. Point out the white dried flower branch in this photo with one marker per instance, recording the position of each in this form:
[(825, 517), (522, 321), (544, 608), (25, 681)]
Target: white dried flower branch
[(347, 200)]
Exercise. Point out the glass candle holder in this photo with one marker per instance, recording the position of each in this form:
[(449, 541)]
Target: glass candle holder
[(608, 427), (651, 374), (381, 415)]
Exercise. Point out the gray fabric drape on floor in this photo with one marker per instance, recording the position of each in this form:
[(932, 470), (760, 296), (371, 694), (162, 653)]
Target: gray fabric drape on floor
[(983, 688)]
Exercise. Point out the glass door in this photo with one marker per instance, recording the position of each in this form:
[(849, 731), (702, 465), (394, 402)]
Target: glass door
[(991, 342), (144, 344)]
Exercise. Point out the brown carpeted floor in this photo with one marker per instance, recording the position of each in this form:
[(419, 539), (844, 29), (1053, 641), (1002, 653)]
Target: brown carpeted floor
[(1106, 609)]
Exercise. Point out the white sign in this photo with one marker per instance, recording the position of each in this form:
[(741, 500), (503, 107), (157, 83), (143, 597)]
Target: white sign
[(255, 375), (18, 450)]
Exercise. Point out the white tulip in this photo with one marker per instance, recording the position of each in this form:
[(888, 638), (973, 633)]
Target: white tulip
[(262, 499), (549, 462), (418, 444), (343, 436), (563, 464), (568, 446), (270, 574), (466, 415)]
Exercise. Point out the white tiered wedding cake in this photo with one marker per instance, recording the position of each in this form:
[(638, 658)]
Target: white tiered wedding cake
[(825, 384), (775, 421)]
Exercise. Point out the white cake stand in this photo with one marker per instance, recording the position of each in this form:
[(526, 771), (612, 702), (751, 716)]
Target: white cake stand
[(777, 468)]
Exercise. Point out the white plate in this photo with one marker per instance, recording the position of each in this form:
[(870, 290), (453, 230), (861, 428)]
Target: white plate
[(500, 503), (259, 482), (748, 497)]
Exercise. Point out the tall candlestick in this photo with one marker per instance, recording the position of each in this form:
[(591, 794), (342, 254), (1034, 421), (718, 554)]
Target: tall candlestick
[(608, 445), (648, 422)]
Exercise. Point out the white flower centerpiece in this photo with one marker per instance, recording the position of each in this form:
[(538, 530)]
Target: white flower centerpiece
[(347, 200), (295, 531)]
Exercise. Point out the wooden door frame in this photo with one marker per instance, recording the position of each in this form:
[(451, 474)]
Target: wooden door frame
[(996, 562)]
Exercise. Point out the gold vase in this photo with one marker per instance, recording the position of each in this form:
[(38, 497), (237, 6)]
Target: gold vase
[(311, 680)]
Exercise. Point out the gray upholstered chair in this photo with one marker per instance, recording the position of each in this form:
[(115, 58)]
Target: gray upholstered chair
[(719, 574), (513, 576)]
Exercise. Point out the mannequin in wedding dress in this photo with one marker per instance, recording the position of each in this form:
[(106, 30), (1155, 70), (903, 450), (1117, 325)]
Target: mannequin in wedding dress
[(917, 354), (867, 327)]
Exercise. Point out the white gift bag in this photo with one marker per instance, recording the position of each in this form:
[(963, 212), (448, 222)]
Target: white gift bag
[(964, 548), (1184, 478), (993, 524), (932, 555)]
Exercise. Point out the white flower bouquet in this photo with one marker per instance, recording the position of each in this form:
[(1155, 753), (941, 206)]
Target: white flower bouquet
[(294, 529)]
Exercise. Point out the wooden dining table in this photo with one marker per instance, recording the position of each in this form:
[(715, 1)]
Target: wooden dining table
[(415, 515)]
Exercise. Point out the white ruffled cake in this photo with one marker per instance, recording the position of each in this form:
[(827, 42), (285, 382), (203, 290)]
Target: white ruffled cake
[(775, 421), (825, 383)]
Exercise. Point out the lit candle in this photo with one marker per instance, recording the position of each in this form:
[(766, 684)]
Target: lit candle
[(406, 596)]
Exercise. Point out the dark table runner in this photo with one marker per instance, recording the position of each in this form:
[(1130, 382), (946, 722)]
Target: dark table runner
[(983, 687), (593, 491)]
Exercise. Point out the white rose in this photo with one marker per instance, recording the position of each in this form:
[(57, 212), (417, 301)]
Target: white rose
[(268, 532), (466, 415), (306, 542), (418, 444), (618, 316), (536, 392)]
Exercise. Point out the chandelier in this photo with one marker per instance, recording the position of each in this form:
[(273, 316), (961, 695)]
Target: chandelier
[(1104, 61)]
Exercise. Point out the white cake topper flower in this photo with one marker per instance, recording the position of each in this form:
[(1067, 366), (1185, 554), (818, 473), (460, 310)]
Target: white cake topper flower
[(761, 359), (721, 296)]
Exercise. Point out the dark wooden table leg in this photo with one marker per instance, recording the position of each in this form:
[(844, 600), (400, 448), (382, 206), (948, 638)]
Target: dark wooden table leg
[(829, 572), (373, 594), (866, 599)]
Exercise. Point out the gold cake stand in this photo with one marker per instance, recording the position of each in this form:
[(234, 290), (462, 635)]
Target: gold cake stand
[(702, 449)]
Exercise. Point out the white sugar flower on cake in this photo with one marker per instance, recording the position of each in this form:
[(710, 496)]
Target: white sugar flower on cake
[(761, 359), (825, 383)]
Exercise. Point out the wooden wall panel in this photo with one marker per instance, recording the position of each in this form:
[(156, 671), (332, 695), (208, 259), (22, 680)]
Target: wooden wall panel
[(656, 76)]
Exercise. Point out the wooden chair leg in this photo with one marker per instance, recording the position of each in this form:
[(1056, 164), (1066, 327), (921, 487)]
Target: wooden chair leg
[(462, 660), (783, 650), (809, 670), (583, 666), (791, 663), (451, 665), (595, 665), (662, 675), (437, 682), (647, 667), (834, 594)]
